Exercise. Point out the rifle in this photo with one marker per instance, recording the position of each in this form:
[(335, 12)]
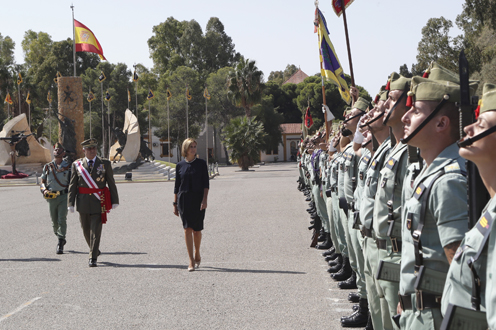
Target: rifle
[(477, 195)]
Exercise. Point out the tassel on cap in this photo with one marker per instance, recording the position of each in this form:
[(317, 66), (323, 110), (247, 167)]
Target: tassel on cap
[(426, 73), (388, 85), (409, 99), (477, 110), (377, 98)]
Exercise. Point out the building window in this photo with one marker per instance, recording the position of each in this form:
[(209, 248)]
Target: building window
[(165, 148), (268, 152), (275, 151)]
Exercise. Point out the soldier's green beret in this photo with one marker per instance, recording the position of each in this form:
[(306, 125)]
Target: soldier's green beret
[(397, 81), (90, 143), (361, 104), (488, 100), (440, 84), (58, 145)]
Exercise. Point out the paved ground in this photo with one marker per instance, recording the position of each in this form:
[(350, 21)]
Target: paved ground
[(257, 271)]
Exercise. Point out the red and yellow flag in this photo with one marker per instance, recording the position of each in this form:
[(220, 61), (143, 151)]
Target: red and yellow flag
[(8, 99), (86, 40), (337, 6)]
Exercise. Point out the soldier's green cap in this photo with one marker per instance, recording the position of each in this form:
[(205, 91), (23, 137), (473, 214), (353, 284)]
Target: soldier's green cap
[(397, 81), (488, 100), (440, 84), (90, 143), (58, 145), (361, 104)]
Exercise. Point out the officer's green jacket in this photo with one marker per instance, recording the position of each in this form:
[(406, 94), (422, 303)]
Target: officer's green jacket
[(350, 172), (370, 188), (389, 188), (63, 176), (459, 282), (446, 216), (362, 167)]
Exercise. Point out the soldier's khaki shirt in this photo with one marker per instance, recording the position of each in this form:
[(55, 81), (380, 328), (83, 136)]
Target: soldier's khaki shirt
[(446, 216)]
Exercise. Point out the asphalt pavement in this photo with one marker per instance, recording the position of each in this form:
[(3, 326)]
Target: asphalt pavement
[(257, 269)]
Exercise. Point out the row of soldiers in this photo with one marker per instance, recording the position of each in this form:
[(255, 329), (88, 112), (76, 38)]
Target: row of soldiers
[(388, 195)]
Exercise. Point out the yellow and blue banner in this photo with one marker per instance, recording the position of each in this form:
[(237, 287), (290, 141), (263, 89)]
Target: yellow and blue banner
[(330, 66), (150, 95)]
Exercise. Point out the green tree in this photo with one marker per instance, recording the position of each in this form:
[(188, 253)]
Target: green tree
[(7, 46), (284, 100), (164, 45), (245, 85), (437, 45), (245, 138), (404, 71), (271, 121), (279, 77)]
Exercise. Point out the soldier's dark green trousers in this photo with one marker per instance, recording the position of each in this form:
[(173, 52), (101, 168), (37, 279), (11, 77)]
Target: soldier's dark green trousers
[(92, 230), (58, 213)]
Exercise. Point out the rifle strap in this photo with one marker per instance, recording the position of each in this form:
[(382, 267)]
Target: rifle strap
[(55, 171), (426, 120), (394, 107)]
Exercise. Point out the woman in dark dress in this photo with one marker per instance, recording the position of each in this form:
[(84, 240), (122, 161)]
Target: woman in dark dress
[(190, 198)]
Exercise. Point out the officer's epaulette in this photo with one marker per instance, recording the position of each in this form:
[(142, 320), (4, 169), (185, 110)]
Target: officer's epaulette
[(374, 164), (419, 191), (485, 222), (366, 160), (390, 163)]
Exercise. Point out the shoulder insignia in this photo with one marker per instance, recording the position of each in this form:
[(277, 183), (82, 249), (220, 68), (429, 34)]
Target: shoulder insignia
[(484, 223), (419, 191), (374, 164), (366, 160), (452, 168), (390, 163)]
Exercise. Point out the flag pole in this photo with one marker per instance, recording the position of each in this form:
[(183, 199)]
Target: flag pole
[(103, 122), (90, 117), (108, 123), (73, 40), (19, 93), (187, 104), (150, 146), (168, 126), (323, 87), (348, 43)]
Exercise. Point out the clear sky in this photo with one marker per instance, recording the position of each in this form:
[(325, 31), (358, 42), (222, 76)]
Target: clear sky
[(383, 33)]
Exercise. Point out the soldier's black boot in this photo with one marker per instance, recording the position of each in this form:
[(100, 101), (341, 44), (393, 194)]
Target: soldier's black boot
[(338, 259), (329, 252), (359, 318), (317, 224), (353, 297), (336, 267), (60, 246), (369, 325), (345, 272), (327, 242), (349, 284), (322, 235)]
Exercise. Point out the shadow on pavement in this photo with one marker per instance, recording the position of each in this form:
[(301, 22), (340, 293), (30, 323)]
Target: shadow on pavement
[(112, 264), (31, 259), (114, 253)]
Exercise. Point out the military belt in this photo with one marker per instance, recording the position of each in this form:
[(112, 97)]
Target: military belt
[(427, 300), (367, 232), (61, 192), (405, 301), (395, 244)]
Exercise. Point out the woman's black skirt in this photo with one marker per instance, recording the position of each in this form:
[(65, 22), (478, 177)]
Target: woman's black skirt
[(188, 205)]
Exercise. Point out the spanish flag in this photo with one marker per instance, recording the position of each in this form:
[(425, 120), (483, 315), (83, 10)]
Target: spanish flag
[(86, 40), (8, 99)]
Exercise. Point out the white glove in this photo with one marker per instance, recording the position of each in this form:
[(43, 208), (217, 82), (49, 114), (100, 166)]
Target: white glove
[(358, 138), (331, 147), (70, 209), (325, 109), (114, 206)]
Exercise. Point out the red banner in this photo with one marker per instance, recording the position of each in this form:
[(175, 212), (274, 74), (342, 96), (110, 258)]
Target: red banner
[(308, 118), (336, 5)]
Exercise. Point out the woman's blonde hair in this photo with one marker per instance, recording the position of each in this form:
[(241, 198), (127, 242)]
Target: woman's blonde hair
[(185, 147)]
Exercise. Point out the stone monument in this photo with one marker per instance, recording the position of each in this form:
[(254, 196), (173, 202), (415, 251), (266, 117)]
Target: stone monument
[(71, 120), (129, 147)]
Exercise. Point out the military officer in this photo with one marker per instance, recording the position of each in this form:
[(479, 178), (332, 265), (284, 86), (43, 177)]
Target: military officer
[(467, 272), (54, 182), (434, 217), (93, 186), (387, 204), (381, 135)]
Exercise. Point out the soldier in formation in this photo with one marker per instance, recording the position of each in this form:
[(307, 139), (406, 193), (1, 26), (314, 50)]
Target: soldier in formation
[(394, 216)]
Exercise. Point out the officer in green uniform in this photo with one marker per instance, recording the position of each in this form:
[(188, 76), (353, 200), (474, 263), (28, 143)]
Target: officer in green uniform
[(92, 184), (322, 161), (54, 182), (435, 216), (466, 283), (360, 317), (381, 135), (387, 204)]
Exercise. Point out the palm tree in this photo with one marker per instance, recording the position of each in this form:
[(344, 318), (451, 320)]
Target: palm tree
[(245, 138), (245, 85)]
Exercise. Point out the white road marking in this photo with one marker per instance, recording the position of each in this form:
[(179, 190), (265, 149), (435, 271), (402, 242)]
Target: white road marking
[(18, 309)]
